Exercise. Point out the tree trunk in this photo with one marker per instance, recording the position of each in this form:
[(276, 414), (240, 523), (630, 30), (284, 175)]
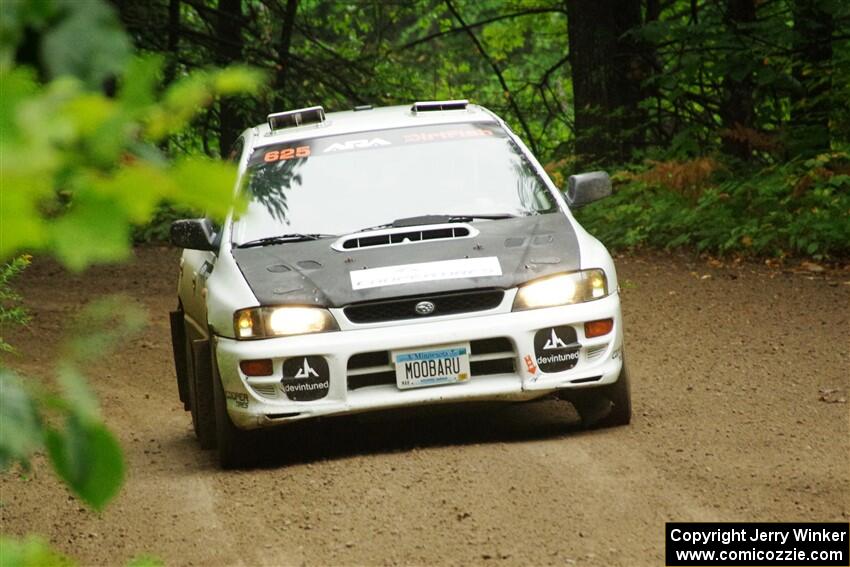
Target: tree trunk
[(282, 68), (812, 70), (228, 26), (173, 40), (736, 109), (607, 72)]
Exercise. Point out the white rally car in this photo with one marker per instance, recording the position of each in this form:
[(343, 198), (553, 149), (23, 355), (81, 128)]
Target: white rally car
[(393, 257)]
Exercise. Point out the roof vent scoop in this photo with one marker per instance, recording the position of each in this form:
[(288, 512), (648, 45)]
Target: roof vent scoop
[(298, 117), (432, 105)]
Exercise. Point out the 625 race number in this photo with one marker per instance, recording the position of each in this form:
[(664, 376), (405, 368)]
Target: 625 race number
[(287, 153)]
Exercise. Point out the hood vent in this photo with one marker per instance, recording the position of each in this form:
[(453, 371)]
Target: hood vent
[(405, 235)]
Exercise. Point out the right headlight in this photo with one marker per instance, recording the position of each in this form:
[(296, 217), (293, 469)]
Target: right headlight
[(261, 322), (562, 289)]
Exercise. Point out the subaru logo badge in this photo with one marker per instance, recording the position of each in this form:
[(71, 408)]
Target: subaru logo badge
[(424, 308)]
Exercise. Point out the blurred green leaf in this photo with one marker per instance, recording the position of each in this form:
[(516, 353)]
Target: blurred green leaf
[(19, 85), (20, 425), (100, 46), (30, 552), (207, 185), (99, 327), (140, 82), (77, 395), (88, 458), (17, 15), (145, 561), (237, 79), (96, 229), (21, 225)]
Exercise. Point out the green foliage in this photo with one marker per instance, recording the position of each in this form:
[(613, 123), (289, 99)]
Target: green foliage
[(801, 208), (80, 169), (88, 458), (20, 422), (83, 451), (35, 552), (12, 313), (101, 48), (145, 561), (30, 552)]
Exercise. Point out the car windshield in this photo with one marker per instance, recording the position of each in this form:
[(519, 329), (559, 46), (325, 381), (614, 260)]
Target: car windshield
[(341, 184)]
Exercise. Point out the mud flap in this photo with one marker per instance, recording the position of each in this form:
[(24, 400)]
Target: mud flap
[(178, 345), (203, 410)]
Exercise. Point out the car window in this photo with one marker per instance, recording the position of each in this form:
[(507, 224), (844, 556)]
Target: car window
[(339, 184), (236, 150)]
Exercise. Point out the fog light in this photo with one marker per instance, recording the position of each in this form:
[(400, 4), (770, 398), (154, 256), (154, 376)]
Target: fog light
[(262, 367), (598, 328)]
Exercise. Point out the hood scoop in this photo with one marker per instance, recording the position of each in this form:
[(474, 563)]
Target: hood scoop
[(404, 235)]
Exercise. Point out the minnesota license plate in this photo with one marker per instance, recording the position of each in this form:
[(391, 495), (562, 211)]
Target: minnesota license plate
[(431, 366)]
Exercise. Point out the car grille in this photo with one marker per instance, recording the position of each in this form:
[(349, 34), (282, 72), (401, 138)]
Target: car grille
[(444, 304), (595, 351), (488, 356), (267, 390)]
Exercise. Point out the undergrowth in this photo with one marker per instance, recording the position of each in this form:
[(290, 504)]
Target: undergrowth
[(798, 208)]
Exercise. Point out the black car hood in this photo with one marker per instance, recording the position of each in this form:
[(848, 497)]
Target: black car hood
[(314, 273)]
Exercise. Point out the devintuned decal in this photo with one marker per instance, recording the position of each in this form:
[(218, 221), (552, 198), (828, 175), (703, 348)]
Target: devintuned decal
[(426, 272), (556, 348), (305, 378)]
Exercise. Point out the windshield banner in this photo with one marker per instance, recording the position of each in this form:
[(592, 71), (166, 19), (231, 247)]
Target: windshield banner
[(372, 140)]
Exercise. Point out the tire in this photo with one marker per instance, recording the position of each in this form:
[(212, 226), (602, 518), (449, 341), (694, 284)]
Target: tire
[(592, 403), (203, 406), (234, 445)]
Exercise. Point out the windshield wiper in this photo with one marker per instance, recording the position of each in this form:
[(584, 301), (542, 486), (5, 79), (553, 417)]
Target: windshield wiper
[(490, 216), (282, 238), (438, 219)]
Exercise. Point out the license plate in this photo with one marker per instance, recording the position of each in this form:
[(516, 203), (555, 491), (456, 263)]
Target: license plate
[(431, 366)]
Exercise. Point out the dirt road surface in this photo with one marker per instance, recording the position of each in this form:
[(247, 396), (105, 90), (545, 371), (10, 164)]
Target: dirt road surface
[(737, 373)]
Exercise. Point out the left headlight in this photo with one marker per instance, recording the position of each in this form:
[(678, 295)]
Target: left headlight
[(261, 322), (562, 289)]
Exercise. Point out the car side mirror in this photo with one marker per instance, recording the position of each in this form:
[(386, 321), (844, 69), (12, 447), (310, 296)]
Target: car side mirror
[(586, 188), (194, 234)]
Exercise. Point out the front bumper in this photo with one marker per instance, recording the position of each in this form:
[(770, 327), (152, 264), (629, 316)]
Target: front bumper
[(259, 402)]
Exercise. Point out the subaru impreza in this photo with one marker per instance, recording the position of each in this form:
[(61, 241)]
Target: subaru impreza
[(389, 258)]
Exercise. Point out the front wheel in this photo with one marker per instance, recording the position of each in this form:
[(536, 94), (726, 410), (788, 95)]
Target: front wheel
[(604, 406)]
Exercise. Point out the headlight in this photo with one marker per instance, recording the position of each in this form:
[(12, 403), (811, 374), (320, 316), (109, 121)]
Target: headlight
[(260, 322), (562, 289)]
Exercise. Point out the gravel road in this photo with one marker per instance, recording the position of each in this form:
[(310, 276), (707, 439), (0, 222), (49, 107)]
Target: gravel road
[(738, 372)]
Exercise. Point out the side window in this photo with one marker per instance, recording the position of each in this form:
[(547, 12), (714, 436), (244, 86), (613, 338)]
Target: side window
[(236, 151), (233, 156)]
